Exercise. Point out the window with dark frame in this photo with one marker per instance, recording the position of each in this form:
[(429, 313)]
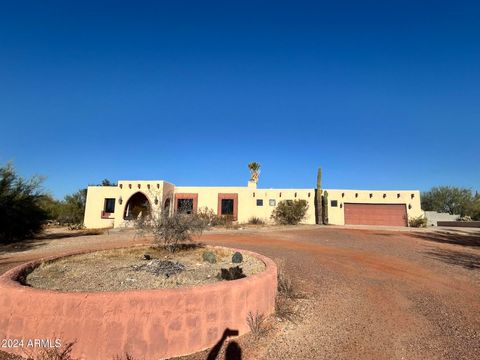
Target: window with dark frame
[(227, 207), (334, 203), (185, 206), (109, 205), (259, 202)]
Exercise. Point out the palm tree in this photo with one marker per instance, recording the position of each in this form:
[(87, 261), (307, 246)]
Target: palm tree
[(254, 168)]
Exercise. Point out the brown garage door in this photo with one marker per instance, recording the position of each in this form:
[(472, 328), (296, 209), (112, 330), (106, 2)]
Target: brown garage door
[(376, 214)]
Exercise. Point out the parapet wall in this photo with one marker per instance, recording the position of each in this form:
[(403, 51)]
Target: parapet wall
[(145, 323)]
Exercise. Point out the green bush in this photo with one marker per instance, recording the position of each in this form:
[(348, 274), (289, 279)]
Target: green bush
[(210, 257), (419, 221), (237, 258), (21, 212), (290, 212)]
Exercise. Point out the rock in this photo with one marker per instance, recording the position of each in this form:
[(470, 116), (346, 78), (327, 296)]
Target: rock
[(161, 267), (237, 258), (210, 257), (147, 257)]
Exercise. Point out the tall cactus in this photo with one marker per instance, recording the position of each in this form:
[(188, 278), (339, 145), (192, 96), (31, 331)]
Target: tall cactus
[(318, 197), (325, 208)]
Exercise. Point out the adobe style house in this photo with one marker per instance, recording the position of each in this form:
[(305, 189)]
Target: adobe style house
[(117, 206)]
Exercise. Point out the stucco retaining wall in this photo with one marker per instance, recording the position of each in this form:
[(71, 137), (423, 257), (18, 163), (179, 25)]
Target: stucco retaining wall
[(148, 324)]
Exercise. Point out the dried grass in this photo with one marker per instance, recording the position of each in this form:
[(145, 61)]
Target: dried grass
[(256, 324)]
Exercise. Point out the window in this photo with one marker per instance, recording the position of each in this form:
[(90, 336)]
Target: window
[(227, 207), (259, 202), (185, 205), (334, 203), (272, 202), (109, 205)]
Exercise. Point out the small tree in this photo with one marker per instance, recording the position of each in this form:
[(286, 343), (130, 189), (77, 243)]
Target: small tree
[(172, 231), (21, 212), (290, 212), (452, 200), (73, 208)]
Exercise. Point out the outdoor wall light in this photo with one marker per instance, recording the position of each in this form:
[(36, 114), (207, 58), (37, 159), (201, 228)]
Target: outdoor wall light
[(412, 196), (343, 194), (156, 200), (120, 200), (341, 205), (121, 186), (409, 206)]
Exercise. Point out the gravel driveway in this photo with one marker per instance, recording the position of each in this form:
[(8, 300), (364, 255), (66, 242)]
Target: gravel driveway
[(368, 294)]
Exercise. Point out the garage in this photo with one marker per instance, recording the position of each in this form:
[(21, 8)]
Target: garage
[(376, 214)]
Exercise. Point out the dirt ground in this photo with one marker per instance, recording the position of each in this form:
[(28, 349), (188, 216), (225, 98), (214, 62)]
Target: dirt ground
[(126, 269), (365, 293)]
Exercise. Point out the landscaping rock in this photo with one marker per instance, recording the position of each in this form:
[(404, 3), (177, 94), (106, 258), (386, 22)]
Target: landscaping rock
[(237, 258), (161, 267), (210, 257)]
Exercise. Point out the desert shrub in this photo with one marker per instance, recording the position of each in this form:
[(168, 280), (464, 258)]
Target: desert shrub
[(237, 258), (285, 309), (286, 294), (419, 221), (212, 219), (209, 256), (174, 231), (285, 286), (256, 221), (256, 324), (54, 353), (232, 273), (290, 212), (21, 212)]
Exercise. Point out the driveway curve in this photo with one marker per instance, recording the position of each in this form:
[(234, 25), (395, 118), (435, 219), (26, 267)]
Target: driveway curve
[(366, 293)]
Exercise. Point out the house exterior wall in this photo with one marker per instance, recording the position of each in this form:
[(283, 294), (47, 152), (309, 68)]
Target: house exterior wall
[(247, 200), (96, 196), (157, 192), (336, 215)]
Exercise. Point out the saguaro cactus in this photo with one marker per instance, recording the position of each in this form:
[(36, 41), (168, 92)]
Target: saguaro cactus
[(325, 208), (318, 197)]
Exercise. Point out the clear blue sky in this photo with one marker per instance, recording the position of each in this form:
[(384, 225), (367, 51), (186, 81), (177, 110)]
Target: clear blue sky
[(381, 94)]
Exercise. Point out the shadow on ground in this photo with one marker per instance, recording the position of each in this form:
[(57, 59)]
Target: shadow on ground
[(42, 239), (459, 258), (457, 238)]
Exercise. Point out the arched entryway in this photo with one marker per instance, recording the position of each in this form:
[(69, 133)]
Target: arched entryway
[(137, 206)]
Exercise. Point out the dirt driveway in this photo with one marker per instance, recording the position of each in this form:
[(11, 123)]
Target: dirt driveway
[(368, 294)]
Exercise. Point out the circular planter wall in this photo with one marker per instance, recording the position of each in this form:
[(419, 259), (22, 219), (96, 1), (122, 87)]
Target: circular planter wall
[(145, 323)]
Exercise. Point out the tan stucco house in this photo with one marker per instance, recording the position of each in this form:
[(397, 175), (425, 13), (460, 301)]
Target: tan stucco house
[(117, 206)]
